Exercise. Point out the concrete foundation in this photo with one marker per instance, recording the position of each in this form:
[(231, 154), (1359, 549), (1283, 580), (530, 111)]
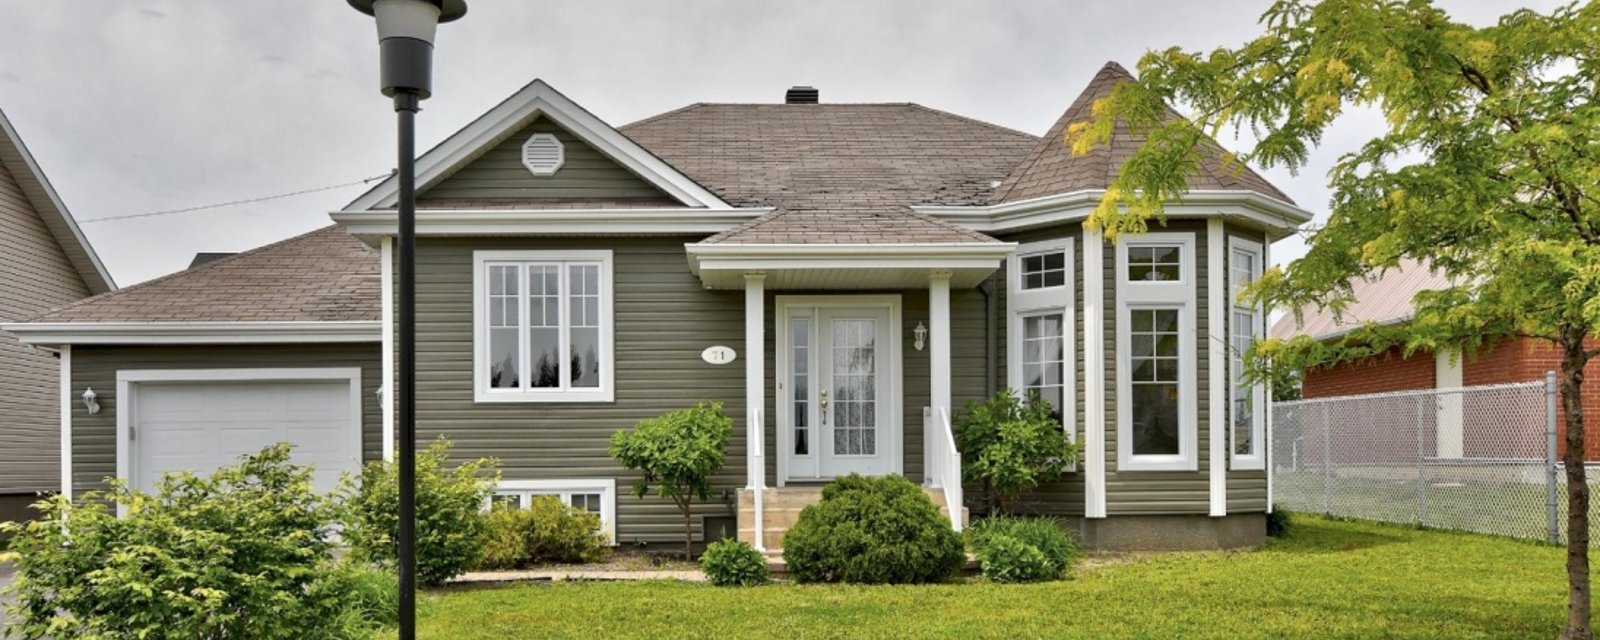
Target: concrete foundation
[(1173, 532)]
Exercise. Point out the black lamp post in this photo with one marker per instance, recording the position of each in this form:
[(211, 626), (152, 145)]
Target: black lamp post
[(405, 50)]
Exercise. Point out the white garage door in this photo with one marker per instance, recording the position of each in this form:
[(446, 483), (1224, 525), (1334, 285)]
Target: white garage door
[(202, 425)]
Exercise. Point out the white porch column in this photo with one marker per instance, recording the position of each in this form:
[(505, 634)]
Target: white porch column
[(939, 341), (755, 378)]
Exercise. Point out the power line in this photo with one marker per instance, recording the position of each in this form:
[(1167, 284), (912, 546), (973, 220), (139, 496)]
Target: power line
[(232, 203)]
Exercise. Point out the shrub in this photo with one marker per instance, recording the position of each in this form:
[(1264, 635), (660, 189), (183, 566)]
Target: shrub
[(1010, 446), (246, 552), (450, 517), (1278, 523), (872, 530), (373, 598), (994, 540), (676, 454), (732, 563), (547, 531)]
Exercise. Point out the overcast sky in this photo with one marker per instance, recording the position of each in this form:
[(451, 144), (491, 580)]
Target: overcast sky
[(146, 105)]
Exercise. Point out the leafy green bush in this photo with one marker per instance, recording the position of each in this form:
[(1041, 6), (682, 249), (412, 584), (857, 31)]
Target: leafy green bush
[(676, 454), (450, 517), (244, 553), (547, 531), (372, 597), (733, 563), (1045, 535), (1278, 523), (1010, 446), (872, 530), (995, 541)]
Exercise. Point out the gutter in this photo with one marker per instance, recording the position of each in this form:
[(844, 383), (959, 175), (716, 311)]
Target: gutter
[(143, 333)]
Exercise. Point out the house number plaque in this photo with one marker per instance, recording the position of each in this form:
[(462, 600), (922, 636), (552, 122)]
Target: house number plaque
[(718, 354)]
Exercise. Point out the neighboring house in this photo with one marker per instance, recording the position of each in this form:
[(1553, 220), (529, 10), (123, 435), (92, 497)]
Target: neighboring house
[(1386, 298), (45, 262), (842, 277)]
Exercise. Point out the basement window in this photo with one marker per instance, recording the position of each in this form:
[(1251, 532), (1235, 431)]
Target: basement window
[(597, 496)]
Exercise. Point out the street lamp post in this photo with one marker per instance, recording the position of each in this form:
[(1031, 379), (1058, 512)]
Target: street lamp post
[(405, 50)]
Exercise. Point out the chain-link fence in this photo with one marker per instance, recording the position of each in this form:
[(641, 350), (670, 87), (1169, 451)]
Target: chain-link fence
[(1474, 458)]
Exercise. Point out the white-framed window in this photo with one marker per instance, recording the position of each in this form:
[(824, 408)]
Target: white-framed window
[(1040, 331), (1157, 397), (542, 328), (1246, 402), (598, 496)]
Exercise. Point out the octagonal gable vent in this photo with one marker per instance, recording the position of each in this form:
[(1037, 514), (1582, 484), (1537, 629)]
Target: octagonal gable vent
[(543, 154)]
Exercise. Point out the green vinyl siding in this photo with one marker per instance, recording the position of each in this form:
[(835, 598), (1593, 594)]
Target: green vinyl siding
[(500, 174), (94, 442)]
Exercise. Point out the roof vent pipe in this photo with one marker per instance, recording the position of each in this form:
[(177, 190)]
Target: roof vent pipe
[(800, 95)]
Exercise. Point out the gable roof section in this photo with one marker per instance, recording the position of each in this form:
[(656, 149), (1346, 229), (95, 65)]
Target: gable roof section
[(1383, 299), (323, 276), (1051, 168), (836, 173), (533, 101), (22, 167)]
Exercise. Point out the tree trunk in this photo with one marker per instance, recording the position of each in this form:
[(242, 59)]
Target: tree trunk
[(1573, 360), (688, 531)]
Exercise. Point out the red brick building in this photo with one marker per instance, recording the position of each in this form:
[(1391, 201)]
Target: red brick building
[(1387, 300)]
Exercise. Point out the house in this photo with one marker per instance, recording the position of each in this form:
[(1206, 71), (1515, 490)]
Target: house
[(45, 262), (1386, 298), (842, 277)]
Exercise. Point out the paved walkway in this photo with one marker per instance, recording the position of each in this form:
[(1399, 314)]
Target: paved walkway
[(558, 575)]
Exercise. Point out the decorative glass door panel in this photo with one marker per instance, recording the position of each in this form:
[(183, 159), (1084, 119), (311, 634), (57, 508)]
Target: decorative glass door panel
[(837, 392)]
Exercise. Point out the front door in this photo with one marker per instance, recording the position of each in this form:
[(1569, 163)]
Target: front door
[(839, 391)]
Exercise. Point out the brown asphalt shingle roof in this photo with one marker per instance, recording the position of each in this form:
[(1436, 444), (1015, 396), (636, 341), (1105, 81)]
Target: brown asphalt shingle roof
[(1051, 168), (836, 173), (326, 275)]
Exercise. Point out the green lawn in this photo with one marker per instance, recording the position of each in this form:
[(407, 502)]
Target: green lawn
[(1328, 579)]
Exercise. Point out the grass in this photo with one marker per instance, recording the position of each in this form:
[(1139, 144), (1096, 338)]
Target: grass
[(1326, 579)]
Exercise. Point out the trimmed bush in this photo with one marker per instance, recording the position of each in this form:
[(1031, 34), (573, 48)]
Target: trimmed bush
[(873, 530), (676, 454), (732, 563), (450, 517), (1042, 534), (1278, 523), (1010, 446), (1007, 559), (548, 531), (244, 553)]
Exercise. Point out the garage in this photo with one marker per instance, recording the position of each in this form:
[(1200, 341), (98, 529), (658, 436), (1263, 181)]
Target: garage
[(201, 420)]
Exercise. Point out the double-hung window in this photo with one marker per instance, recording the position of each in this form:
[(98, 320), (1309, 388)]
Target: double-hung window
[(1247, 402), (543, 326), (1157, 404), (1039, 330)]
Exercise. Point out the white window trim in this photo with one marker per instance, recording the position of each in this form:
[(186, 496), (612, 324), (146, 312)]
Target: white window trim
[(1022, 303), (482, 393), (1258, 460), (1179, 294), (606, 487)]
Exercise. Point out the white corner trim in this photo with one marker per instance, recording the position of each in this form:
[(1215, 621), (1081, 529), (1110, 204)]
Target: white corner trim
[(129, 379), (480, 337), (386, 388), (1179, 294), (468, 222), (61, 333), (66, 420), (1022, 303), (606, 487), (532, 101), (1273, 214), (1266, 259), (1094, 421), (1217, 356)]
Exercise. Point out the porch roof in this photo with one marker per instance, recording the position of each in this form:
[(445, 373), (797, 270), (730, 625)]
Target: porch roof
[(846, 266)]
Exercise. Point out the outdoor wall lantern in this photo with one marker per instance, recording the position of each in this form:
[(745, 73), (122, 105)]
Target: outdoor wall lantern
[(921, 332), (91, 401), (405, 73)]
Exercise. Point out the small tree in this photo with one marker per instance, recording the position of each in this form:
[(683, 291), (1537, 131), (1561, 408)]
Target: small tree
[(676, 455), (1010, 446), (451, 523)]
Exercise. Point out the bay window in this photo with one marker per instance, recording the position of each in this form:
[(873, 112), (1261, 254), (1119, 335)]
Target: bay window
[(1247, 402), (1157, 401), (1040, 332)]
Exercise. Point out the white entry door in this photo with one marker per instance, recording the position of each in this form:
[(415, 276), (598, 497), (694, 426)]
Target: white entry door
[(840, 367)]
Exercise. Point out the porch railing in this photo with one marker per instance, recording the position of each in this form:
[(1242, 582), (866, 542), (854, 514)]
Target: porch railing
[(756, 471), (942, 461)]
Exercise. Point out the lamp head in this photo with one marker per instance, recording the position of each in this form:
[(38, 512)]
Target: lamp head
[(405, 40)]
